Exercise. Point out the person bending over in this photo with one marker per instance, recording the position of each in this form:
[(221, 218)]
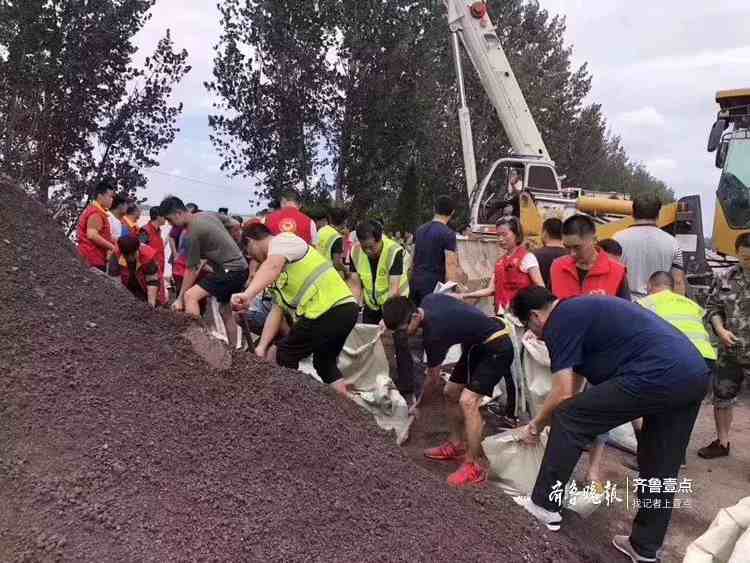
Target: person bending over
[(486, 357), (310, 289)]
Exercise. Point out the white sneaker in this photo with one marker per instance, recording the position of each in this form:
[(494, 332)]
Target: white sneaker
[(622, 543), (550, 519)]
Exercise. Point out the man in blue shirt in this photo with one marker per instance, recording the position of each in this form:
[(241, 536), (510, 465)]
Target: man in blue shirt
[(435, 254), (486, 357), (638, 365)]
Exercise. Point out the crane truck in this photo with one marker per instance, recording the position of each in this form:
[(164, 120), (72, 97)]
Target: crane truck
[(542, 193)]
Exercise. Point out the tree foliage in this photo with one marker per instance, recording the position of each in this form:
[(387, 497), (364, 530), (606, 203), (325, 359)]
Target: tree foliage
[(370, 91), (73, 105), (273, 84)]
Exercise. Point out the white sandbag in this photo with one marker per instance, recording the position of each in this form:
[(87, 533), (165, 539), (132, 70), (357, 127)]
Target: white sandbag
[(536, 369), (726, 540), (514, 465), (741, 553), (623, 438), (365, 368), (216, 326)]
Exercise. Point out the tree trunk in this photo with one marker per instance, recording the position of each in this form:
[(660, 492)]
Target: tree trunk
[(344, 146)]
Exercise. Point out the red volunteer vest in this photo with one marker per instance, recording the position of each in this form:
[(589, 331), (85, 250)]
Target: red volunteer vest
[(509, 279), (157, 243), (94, 255), (146, 256), (290, 220), (605, 278)]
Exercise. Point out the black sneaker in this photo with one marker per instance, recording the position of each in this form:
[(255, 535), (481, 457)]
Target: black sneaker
[(714, 450)]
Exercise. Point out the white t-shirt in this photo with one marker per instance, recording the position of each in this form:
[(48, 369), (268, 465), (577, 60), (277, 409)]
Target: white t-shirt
[(529, 261), (647, 249), (289, 246), (115, 226)]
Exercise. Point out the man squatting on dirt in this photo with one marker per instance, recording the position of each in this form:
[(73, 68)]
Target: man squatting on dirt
[(486, 358)]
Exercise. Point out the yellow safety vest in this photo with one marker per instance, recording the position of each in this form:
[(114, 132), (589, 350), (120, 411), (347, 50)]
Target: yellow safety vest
[(310, 287), (685, 315), (375, 297), (327, 237)]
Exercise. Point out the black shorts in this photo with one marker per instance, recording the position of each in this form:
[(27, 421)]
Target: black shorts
[(225, 284), (481, 367), (322, 338)]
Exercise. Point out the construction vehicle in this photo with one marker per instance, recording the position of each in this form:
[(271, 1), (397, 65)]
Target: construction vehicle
[(541, 194), (730, 140)]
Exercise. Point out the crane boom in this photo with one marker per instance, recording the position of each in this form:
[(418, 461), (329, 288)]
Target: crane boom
[(473, 27)]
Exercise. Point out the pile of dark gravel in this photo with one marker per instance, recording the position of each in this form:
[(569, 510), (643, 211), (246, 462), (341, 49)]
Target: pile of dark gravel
[(119, 443)]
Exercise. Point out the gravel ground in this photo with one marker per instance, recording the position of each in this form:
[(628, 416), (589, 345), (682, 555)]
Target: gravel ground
[(119, 443)]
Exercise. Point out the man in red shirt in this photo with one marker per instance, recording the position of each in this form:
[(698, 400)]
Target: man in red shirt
[(289, 219), (94, 233), (151, 236), (587, 270)]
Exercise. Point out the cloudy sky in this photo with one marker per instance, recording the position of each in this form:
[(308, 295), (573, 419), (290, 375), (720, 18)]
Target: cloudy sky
[(656, 67)]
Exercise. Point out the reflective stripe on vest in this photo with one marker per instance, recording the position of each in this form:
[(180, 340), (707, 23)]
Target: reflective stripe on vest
[(327, 237), (382, 282), (310, 287), (685, 315)]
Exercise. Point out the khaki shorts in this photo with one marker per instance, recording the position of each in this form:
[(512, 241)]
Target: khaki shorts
[(727, 380)]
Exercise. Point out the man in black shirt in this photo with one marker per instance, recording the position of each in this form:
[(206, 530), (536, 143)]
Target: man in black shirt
[(553, 247), (435, 256), (486, 357)]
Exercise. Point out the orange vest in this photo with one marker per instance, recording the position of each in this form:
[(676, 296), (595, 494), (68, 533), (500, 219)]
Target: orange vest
[(94, 255), (156, 242), (146, 256), (509, 279), (604, 278)]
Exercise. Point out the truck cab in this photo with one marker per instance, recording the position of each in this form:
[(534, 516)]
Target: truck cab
[(730, 139)]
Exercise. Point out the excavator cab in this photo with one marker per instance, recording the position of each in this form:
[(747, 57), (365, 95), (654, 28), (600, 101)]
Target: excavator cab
[(730, 140)]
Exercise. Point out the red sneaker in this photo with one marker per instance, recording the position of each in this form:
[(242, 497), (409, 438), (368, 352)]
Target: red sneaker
[(446, 452), (467, 475)]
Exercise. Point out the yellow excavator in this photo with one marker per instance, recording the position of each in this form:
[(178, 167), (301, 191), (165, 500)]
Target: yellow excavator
[(730, 140), (529, 176)]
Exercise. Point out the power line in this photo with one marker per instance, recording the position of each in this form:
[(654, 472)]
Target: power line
[(193, 180)]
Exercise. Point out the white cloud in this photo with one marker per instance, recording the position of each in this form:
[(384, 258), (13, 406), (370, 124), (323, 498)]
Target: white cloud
[(656, 67), (643, 117), (659, 166)]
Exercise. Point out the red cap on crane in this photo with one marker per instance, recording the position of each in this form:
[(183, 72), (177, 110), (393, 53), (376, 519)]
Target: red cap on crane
[(479, 10)]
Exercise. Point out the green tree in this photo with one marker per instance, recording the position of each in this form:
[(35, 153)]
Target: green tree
[(373, 89), (407, 216), (73, 106), (273, 84)]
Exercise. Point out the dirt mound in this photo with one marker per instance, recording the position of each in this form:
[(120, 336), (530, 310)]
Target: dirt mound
[(119, 443)]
